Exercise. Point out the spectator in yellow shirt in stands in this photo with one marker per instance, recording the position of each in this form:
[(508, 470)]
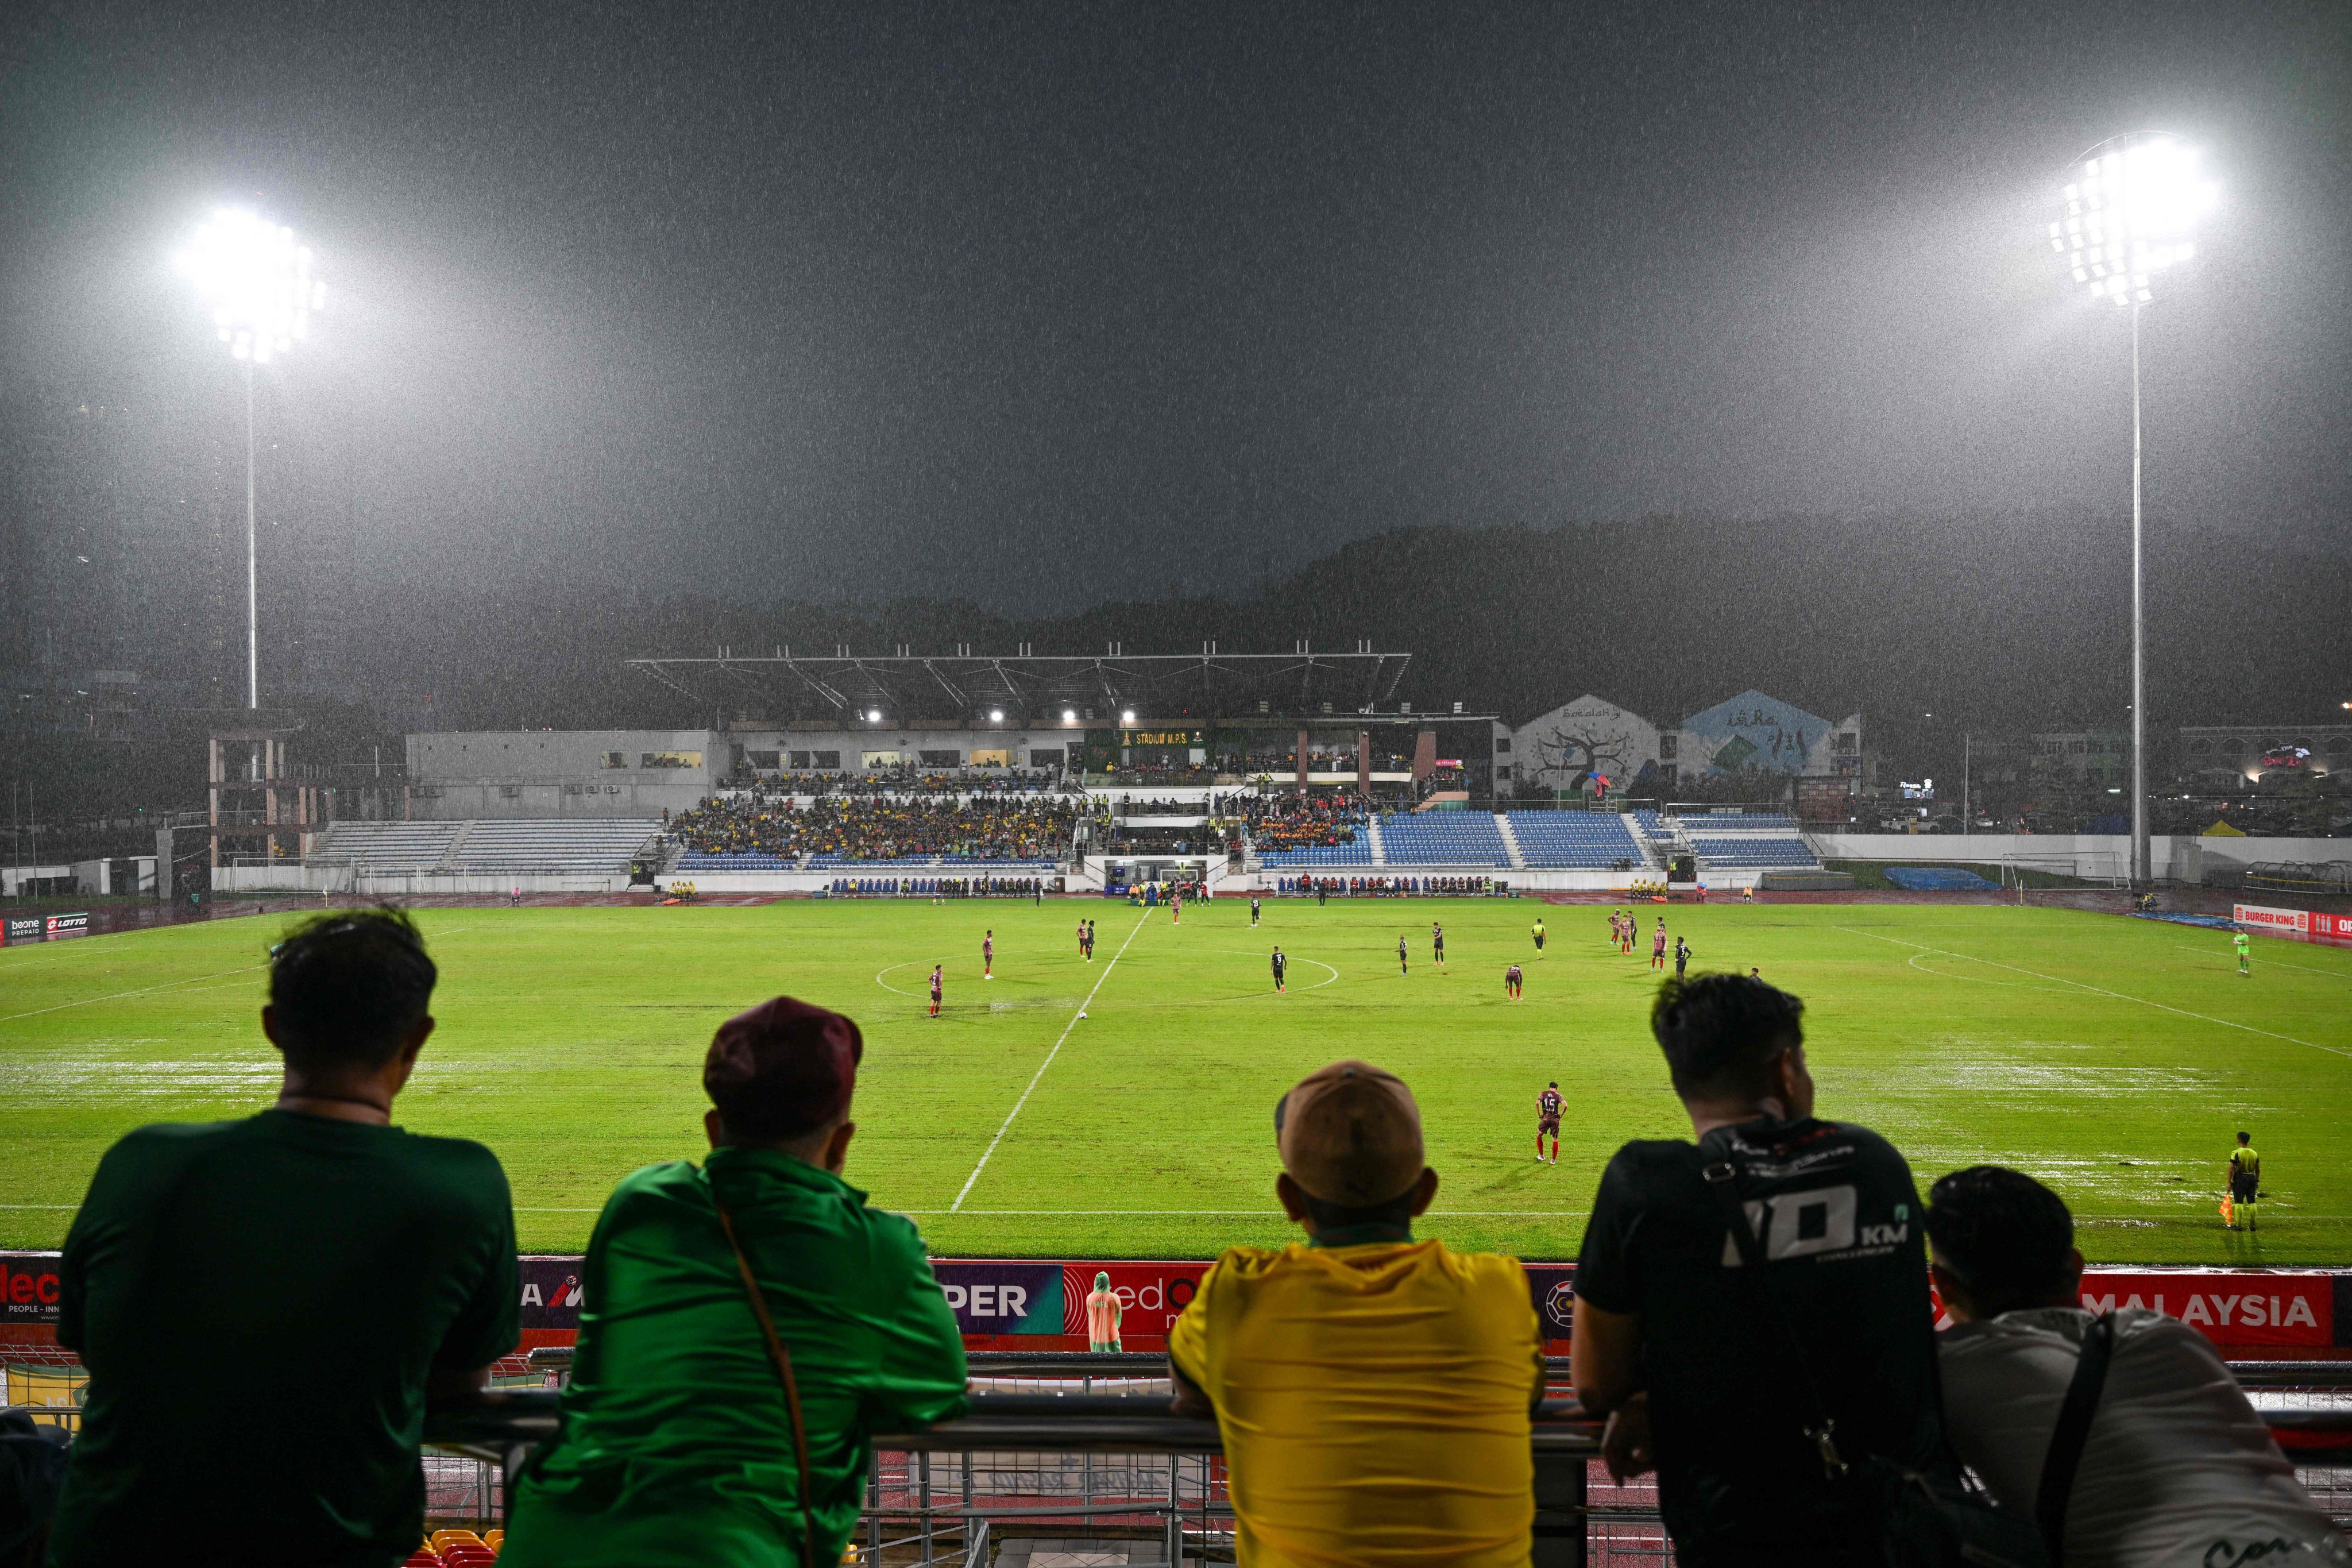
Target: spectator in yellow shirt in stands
[(1373, 1392)]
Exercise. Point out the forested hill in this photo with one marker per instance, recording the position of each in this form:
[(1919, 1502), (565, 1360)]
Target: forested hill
[(2009, 622)]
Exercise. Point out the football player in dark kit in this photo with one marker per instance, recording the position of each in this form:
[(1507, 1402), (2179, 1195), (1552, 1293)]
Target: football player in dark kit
[(1547, 1106), (1281, 965)]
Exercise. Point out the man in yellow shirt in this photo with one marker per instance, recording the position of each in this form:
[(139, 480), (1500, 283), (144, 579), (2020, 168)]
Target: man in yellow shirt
[(1373, 1392)]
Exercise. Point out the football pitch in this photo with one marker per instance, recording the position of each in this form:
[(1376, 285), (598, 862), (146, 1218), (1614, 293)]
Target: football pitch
[(2114, 1057)]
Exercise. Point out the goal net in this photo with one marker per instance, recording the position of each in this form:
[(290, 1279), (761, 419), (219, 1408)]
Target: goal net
[(2051, 878)]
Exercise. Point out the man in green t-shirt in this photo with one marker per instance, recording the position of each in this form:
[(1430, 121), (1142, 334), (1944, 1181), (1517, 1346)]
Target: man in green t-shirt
[(266, 1307), (679, 1442)]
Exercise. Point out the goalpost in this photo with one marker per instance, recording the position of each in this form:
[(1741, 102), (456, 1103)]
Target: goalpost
[(2051, 878)]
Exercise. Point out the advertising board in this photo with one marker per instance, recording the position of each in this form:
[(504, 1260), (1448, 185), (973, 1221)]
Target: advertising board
[(1020, 1304), (76, 924), (2263, 916), (23, 929)]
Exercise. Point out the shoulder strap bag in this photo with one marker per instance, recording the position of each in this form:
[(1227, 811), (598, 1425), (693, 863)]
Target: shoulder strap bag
[(1920, 1520), (782, 1360), (2073, 1431)]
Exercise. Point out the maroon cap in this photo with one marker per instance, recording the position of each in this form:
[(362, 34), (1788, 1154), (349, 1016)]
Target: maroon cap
[(783, 1070)]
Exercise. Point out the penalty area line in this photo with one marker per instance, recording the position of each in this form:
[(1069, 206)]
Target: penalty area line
[(2100, 991), (1038, 1077), (142, 991)]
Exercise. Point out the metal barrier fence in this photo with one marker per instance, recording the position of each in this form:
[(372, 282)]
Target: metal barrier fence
[(1068, 1448)]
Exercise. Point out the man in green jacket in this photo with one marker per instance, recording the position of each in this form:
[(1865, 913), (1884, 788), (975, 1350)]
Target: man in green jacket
[(676, 1446)]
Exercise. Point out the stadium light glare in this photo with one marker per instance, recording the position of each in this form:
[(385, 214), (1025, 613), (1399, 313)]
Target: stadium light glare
[(256, 284), (2126, 215), (873, 715), (1070, 715), (996, 715), (1127, 716)]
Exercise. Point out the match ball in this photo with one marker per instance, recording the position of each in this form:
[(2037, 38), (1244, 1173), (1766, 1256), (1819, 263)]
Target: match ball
[(1082, 1012)]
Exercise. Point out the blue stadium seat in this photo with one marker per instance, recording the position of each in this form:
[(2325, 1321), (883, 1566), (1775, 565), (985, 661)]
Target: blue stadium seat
[(695, 860), (1589, 840), (1761, 850), (1359, 853), (1444, 838)]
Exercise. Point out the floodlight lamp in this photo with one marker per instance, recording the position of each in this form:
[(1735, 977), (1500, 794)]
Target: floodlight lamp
[(254, 281), (996, 715), (1069, 715), (1127, 716), (2142, 195), (873, 715)]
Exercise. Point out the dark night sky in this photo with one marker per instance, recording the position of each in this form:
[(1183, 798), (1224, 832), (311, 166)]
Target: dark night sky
[(1044, 304)]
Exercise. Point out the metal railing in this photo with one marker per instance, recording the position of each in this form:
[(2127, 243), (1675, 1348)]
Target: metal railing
[(1082, 1444), (1082, 1463)]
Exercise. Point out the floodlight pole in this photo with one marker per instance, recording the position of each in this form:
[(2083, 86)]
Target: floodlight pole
[(252, 561), (2141, 868)]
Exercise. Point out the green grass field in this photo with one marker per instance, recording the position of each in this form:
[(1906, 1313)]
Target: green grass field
[(2113, 1058)]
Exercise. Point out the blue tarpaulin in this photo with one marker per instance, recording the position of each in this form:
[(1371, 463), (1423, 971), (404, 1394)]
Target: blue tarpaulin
[(1938, 879)]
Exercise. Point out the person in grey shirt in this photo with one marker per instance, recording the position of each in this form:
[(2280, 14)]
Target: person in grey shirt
[(2177, 1470)]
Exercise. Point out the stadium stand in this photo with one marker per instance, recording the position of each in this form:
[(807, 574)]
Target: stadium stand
[(1759, 850), (591, 846), (1359, 853), (1733, 821), (387, 846), (595, 845), (695, 861), (760, 833), (1444, 838), (1651, 826), (1938, 879), (1579, 840)]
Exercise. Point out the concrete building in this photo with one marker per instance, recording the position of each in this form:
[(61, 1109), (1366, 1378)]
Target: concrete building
[(1562, 749), (2099, 758), (480, 774), (2225, 754), (1755, 732)]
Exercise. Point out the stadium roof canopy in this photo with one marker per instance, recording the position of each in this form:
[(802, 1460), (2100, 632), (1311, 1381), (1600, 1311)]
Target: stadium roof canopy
[(843, 688)]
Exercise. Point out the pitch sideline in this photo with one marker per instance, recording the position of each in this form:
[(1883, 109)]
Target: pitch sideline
[(2100, 991)]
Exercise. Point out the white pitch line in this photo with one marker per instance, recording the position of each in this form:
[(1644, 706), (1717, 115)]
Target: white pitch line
[(1040, 1074), (2100, 991), (119, 996)]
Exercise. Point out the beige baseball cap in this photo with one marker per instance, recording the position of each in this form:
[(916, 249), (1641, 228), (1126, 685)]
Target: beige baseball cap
[(1351, 1134)]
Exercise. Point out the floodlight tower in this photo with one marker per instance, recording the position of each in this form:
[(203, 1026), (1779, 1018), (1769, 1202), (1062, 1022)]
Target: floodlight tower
[(2129, 208), (257, 284)]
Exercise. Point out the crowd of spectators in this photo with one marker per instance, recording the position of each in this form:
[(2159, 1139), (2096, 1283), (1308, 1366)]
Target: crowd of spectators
[(1300, 821), (1132, 775), (1752, 1318), (1002, 825), (908, 780)]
